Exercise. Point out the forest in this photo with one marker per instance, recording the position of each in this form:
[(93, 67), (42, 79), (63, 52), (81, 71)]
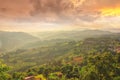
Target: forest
[(89, 59)]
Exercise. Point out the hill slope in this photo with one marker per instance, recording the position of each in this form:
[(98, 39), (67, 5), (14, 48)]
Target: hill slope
[(11, 40), (71, 35), (61, 51), (49, 38)]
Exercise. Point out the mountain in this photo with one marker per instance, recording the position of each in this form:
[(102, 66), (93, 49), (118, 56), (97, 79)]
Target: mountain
[(70, 35), (50, 37), (23, 59), (12, 40)]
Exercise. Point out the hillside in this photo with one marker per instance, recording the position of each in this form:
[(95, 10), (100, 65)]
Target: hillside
[(56, 51), (11, 40), (50, 38), (14, 40), (70, 35), (78, 60)]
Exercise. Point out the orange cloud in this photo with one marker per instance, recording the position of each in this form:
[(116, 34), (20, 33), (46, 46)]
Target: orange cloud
[(58, 10), (13, 9), (110, 11)]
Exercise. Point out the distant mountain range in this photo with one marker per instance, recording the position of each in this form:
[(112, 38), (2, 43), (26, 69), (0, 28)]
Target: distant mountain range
[(49, 38), (72, 35), (14, 40)]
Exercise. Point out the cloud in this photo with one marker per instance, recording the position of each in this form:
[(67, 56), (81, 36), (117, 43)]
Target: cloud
[(13, 9), (56, 10)]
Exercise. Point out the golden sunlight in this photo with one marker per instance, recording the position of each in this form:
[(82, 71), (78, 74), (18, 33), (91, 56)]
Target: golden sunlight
[(110, 11)]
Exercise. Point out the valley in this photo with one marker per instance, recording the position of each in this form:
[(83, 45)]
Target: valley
[(55, 55)]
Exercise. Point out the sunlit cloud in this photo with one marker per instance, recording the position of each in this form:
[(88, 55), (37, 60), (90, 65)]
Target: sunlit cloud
[(111, 11), (62, 14)]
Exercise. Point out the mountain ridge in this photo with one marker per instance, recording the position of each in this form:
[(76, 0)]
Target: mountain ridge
[(10, 40)]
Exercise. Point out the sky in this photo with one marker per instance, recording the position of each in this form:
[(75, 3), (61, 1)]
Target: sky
[(49, 15)]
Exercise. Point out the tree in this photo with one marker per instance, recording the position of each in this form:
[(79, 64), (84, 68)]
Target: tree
[(3, 71), (18, 76), (99, 67)]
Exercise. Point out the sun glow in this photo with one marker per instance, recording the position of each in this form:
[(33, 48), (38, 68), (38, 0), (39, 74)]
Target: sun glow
[(110, 11)]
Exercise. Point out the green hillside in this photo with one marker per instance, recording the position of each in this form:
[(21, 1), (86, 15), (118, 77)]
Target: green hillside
[(71, 35), (11, 40), (50, 38), (56, 51), (95, 58)]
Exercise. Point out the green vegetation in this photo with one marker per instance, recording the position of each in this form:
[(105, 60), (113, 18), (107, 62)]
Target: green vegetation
[(3, 72), (88, 59)]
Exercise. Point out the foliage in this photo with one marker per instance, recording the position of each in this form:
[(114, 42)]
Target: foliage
[(3, 71), (100, 60)]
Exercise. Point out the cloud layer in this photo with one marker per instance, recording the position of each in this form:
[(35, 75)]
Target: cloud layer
[(78, 12), (55, 10)]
